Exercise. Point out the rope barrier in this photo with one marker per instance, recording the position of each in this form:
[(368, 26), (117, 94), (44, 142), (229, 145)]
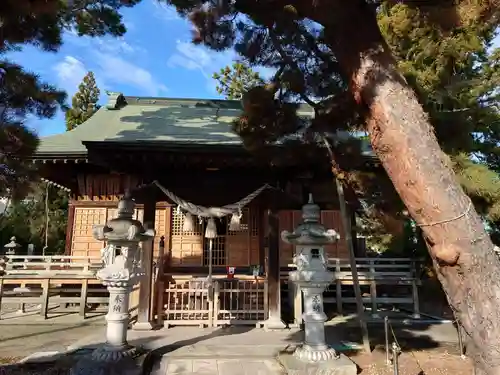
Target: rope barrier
[(395, 348), (463, 214)]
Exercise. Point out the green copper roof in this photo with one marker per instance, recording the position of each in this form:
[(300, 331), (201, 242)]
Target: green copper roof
[(131, 119)]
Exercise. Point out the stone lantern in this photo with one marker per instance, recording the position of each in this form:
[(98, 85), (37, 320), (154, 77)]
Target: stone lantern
[(11, 247), (312, 277), (121, 259)]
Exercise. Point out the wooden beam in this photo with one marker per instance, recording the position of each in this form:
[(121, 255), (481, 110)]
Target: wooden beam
[(261, 230)]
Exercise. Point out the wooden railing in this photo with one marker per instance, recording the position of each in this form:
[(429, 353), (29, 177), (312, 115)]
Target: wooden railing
[(398, 276), (54, 284), (55, 295), (55, 265)]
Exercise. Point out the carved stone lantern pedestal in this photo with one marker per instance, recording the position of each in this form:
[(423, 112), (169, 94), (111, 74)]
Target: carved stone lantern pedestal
[(122, 270), (312, 277)]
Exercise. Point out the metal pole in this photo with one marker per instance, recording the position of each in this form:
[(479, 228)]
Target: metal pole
[(395, 352), (386, 330), (460, 341)]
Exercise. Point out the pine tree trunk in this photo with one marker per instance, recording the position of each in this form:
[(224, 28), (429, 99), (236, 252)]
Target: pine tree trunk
[(403, 139)]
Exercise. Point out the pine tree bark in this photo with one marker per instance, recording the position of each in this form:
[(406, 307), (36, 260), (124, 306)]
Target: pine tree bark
[(403, 139)]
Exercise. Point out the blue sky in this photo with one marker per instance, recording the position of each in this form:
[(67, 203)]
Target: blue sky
[(154, 58)]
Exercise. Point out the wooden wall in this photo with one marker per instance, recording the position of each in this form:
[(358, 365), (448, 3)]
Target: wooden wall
[(104, 187), (241, 247), (331, 219), (187, 248), (87, 214)]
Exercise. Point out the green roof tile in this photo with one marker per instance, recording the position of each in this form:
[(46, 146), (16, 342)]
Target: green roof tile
[(129, 119)]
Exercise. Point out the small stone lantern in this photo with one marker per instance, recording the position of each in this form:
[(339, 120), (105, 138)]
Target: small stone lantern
[(11, 247), (122, 270), (312, 276)]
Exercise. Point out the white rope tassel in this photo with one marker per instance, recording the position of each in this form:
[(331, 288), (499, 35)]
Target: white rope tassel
[(188, 225), (235, 223), (211, 231)]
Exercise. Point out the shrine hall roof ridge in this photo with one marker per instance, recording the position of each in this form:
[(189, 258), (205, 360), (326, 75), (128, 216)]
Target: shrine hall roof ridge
[(128, 119)]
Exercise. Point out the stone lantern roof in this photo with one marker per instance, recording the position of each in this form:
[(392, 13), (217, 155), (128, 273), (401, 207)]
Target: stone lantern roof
[(123, 228), (310, 231), (11, 247)]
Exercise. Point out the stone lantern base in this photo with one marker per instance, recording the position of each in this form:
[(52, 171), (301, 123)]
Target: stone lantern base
[(307, 354), (107, 360), (340, 365)]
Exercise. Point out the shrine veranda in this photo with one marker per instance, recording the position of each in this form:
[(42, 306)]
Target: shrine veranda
[(184, 166)]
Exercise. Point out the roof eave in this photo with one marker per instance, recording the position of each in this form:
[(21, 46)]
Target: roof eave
[(66, 156), (166, 146)]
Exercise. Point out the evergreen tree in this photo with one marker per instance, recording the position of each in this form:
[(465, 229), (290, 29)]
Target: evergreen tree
[(233, 81), (21, 93), (84, 102), (41, 24), (334, 56), (13, 222)]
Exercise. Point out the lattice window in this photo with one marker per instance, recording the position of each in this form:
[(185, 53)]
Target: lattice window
[(85, 218), (230, 248), (113, 213), (242, 246), (245, 222), (83, 242), (187, 247), (219, 255), (254, 222), (178, 223)]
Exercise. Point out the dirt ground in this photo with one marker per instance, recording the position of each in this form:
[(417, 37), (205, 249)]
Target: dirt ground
[(437, 361)]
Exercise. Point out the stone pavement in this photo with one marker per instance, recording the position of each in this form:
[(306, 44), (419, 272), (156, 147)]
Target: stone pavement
[(190, 350), (217, 367), (25, 334)]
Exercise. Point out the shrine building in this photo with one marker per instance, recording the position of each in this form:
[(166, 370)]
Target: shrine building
[(197, 186)]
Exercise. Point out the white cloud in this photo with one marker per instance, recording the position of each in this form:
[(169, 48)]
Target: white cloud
[(111, 61), (165, 12), (115, 45), (197, 57), (114, 69), (103, 44), (70, 72), (190, 56)]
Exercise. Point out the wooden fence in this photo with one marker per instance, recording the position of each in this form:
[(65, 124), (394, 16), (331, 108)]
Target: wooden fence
[(189, 300), (58, 284), (383, 282), (54, 285), (54, 264)]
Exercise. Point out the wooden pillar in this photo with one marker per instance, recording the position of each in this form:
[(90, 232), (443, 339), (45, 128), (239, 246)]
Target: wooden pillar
[(273, 269), (262, 235), (69, 229), (144, 312)]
